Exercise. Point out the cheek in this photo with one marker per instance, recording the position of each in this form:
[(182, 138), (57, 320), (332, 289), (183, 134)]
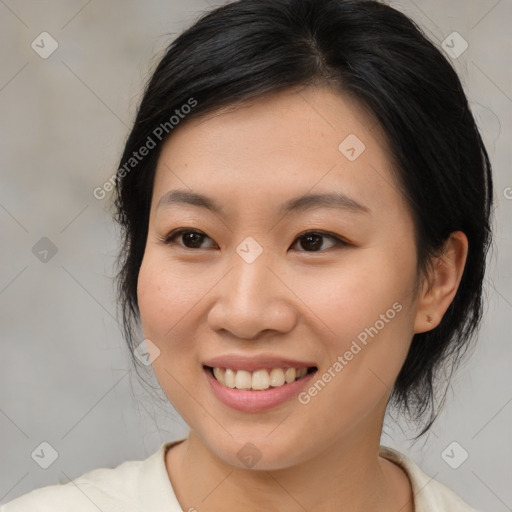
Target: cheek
[(166, 298), (367, 309), (352, 297), (166, 295)]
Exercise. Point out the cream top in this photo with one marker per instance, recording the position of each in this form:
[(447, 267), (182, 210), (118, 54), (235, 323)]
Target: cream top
[(144, 485)]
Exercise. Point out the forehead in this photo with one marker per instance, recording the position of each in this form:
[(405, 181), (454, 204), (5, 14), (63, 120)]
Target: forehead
[(279, 146)]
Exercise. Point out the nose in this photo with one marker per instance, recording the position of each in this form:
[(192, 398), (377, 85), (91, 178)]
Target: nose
[(252, 299)]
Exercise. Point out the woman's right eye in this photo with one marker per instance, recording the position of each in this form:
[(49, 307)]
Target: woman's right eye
[(190, 239)]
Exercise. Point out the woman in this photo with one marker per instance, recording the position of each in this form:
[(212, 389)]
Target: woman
[(305, 200)]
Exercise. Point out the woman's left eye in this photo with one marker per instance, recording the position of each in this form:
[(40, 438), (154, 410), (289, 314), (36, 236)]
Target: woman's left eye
[(313, 240)]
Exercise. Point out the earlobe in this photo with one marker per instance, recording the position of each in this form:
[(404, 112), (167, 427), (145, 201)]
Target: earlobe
[(439, 292)]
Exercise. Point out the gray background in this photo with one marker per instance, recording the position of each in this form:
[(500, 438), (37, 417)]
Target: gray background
[(64, 370)]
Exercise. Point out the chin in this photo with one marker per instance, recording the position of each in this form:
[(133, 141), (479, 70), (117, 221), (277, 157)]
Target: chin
[(258, 452)]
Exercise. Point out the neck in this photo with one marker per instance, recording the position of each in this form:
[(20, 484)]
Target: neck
[(350, 476)]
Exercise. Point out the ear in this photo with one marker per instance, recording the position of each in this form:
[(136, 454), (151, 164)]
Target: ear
[(440, 289)]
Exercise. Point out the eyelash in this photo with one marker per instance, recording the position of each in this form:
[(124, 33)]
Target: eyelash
[(339, 242)]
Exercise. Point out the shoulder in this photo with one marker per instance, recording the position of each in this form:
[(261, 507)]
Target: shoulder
[(118, 489), (105, 489), (429, 494)]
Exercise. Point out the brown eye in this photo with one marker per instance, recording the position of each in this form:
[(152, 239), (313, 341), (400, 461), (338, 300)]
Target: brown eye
[(313, 241), (190, 239)]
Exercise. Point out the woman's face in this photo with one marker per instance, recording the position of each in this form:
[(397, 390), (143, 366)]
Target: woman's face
[(270, 280)]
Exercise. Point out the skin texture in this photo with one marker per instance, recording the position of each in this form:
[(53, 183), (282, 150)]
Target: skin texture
[(292, 301)]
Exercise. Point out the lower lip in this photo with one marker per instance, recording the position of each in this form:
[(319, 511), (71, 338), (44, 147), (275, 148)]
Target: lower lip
[(256, 401)]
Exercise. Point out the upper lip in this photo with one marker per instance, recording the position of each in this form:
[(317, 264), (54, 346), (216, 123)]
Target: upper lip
[(256, 362)]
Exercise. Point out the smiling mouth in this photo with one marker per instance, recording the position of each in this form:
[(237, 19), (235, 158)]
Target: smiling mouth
[(258, 380)]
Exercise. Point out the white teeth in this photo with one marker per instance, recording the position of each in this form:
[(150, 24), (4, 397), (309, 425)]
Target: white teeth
[(276, 377), (301, 372), (243, 380), (258, 380), (219, 375), (289, 375), (229, 378)]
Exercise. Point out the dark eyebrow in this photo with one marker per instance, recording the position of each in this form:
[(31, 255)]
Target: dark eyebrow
[(330, 200), (302, 203), (186, 197)]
